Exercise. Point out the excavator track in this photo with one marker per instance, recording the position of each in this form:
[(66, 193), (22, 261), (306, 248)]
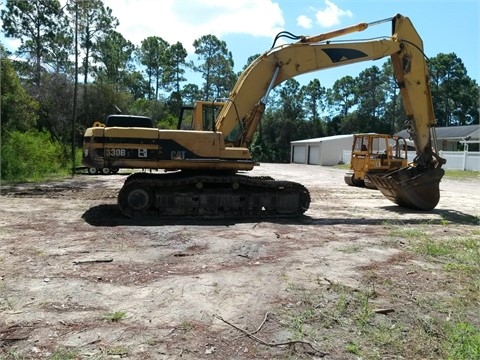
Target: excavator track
[(202, 196)]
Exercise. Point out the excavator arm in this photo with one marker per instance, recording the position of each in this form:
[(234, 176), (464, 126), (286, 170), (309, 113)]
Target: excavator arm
[(411, 74), (241, 115)]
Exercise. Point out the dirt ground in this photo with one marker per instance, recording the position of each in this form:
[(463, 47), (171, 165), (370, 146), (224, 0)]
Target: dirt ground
[(80, 281)]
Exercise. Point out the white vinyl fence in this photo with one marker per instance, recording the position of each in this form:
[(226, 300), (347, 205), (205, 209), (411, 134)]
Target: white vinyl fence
[(456, 160), (461, 160)]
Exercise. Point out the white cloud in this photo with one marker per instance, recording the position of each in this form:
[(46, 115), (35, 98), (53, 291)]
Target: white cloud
[(331, 15), (187, 20), (304, 22)]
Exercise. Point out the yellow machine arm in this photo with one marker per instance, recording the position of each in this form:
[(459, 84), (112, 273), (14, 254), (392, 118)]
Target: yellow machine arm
[(239, 118)]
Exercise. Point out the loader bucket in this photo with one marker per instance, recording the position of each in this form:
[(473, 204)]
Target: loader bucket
[(411, 187)]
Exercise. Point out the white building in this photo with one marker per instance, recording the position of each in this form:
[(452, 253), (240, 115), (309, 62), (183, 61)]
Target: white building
[(334, 150), (325, 151)]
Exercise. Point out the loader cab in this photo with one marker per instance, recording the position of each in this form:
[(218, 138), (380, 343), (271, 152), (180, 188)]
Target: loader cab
[(375, 154), (201, 116), (379, 146), (370, 145)]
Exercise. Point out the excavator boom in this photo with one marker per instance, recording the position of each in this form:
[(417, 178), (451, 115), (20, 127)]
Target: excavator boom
[(283, 63)]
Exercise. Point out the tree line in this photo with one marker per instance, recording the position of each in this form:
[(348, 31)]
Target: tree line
[(73, 68)]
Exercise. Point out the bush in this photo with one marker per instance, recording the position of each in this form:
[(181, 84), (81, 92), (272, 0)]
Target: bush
[(31, 155), (168, 122)]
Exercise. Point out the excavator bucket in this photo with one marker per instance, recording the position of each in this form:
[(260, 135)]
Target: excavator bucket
[(411, 187)]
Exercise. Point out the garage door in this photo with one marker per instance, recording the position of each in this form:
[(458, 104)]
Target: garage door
[(314, 155), (299, 154)]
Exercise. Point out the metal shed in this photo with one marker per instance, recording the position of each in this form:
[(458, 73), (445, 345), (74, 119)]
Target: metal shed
[(320, 151)]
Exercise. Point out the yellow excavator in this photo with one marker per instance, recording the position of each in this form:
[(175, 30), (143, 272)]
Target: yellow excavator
[(205, 169)]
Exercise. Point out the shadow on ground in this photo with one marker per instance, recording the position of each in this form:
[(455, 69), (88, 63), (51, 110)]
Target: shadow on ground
[(111, 215)]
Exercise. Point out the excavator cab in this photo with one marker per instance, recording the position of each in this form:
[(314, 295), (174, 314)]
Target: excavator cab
[(200, 117)]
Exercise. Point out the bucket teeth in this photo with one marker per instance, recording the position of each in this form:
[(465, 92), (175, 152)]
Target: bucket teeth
[(411, 187)]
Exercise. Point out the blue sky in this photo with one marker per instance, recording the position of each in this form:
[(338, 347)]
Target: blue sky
[(249, 26)]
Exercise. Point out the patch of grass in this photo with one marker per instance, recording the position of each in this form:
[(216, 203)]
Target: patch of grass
[(445, 222), (296, 326), (462, 175), (387, 334), (117, 351), (364, 309), (13, 355), (342, 166), (10, 303), (6, 303), (463, 342), (334, 311), (389, 224), (63, 354), (353, 348), (307, 309), (434, 300), (311, 311), (115, 316), (341, 304), (460, 259), (350, 249), (433, 248), (408, 233), (458, 254), (185, 326)]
